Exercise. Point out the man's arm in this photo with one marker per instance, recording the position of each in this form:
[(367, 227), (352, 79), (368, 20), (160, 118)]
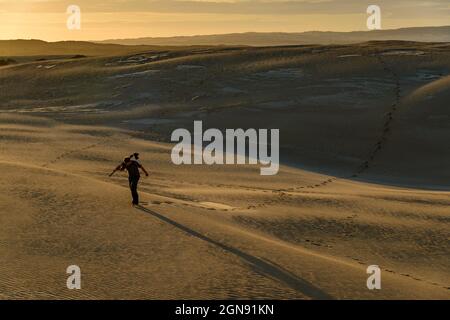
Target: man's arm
[(119, 167), (143, 169)]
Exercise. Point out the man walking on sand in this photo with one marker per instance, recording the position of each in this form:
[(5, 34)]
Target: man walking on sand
[(133, 176)]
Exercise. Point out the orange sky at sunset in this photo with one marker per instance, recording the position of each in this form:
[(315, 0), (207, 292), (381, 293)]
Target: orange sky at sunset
[(46, 19)]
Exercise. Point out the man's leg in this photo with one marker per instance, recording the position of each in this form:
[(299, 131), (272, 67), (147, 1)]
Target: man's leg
[(133, 187), (130, 183)]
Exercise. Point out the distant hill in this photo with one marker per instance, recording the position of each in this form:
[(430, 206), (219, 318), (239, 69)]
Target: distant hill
[(422, 34), (10, 48), (39, 47)]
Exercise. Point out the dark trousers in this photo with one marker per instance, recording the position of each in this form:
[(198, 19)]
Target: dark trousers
[(133, 187)]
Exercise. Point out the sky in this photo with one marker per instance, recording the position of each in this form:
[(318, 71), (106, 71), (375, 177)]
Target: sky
[(118, 19)]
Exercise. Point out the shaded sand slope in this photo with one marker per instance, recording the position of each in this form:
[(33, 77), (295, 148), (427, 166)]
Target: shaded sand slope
[(209, 232), (417, 137), (342, 109)]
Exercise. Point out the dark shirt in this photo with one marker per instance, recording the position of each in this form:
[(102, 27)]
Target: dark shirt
[(133, 168)]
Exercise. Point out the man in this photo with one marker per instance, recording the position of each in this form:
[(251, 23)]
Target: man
[(133, 176)]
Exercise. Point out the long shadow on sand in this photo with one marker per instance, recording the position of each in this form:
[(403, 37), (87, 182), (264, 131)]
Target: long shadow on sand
[(264, 267)]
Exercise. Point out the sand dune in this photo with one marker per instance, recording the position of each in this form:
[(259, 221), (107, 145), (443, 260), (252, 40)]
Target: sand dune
[(59, 208), (363, 181)]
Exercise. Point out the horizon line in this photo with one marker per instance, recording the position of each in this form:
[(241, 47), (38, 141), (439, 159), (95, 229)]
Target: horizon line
[(222, 34)]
